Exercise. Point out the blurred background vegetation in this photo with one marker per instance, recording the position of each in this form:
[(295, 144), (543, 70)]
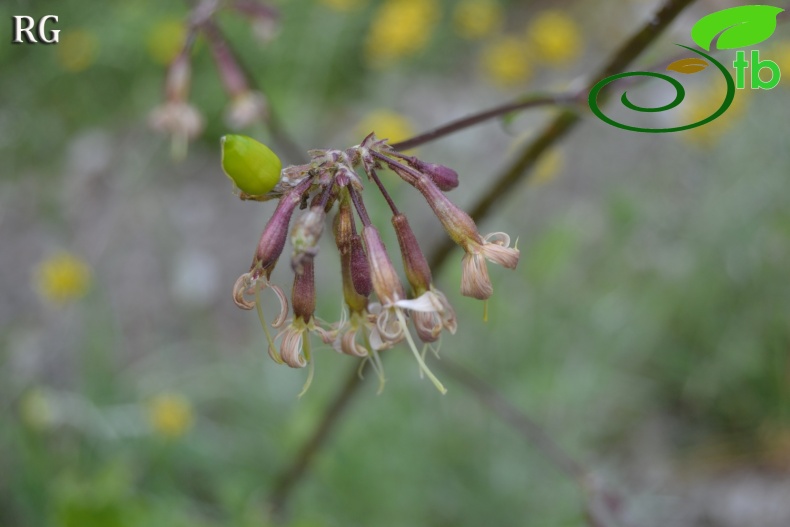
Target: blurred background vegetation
[(647, 326)]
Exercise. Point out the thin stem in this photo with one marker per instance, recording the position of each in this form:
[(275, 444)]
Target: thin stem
[(360, 206), (531, 101), (384, 192), (627, 52), (400, 166), (324, 198)]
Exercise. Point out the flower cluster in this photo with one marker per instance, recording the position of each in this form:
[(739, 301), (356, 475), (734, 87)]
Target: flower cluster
[(176, 116), (379, 309)]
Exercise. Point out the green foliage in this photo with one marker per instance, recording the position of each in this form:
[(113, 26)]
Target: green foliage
[(653, 284)]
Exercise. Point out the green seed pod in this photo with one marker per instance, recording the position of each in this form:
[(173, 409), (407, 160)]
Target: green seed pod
[(252, 167)]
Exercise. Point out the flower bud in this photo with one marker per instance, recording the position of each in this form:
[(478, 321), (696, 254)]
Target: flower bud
[(275, 233), (418, 273), (305, 235), (360, 268), (343, 229), (252, 166), (382, 273), (303, 292), (445, 178)]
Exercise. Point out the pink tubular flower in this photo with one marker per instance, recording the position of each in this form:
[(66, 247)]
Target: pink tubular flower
[(430, 322), (295, 348), (475, 281)]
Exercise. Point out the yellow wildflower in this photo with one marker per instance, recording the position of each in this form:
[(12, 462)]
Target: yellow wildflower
[(343, 6), (780, 53), (506, 61), (76, 50), (170, 415), (548, 167), (474, 19), (165, 40), (400, 28), (704, 105), (62, 277), (556, 37), (387, 125)]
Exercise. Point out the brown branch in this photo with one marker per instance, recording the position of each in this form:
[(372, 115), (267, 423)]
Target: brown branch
[(555, 130), (288, 478), (531, 101)]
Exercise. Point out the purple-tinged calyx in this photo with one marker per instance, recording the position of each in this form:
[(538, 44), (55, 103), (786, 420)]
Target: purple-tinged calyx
[(382, 273), (275, 233)]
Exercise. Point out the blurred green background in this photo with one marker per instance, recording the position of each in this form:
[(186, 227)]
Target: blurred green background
[(647, 326)]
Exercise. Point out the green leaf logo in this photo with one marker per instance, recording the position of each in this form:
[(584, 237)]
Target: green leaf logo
[(738, 26)]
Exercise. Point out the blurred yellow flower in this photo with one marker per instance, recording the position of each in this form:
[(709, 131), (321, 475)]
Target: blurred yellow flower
[(400, 28), (387, 125), (556, 37), (76, 50), (780, 53), (165, 40), (62, 277), (506, 61), (474, 19), (343, 6), (705, 104), (549, 166), (170, 415)]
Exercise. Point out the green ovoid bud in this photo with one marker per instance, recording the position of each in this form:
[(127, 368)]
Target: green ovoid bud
[(251, 165)]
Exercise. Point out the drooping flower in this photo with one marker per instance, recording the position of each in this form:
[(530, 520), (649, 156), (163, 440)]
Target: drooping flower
[(379, 313), (461, 227)]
